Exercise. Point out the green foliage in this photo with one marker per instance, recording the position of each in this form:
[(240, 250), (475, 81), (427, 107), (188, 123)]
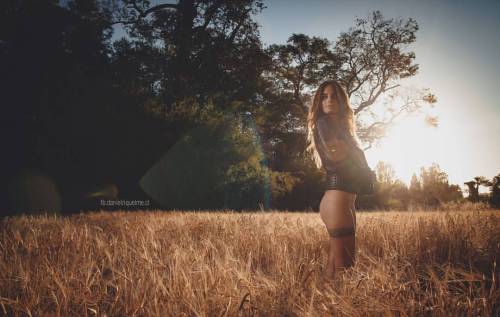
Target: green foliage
[(218, 163)]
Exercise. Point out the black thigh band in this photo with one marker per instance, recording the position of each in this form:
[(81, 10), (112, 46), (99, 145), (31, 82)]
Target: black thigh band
[(340, 232)]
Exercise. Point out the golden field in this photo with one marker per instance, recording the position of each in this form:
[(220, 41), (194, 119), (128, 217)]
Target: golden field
[(248, 264)]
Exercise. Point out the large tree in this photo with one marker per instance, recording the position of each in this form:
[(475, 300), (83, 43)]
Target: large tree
[(435, 187), (206, 48), (473, 187), (370, 60)]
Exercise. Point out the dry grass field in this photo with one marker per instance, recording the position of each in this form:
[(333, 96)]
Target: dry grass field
[(249, 264)]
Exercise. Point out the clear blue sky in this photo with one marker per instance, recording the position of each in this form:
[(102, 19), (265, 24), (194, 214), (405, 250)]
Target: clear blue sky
[(457, 48)]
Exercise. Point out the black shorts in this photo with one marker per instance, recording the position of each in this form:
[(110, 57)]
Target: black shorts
[(340, 181)]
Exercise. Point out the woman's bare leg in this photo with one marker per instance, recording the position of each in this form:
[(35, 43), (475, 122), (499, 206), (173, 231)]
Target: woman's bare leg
[(353, 209), (337, 214)]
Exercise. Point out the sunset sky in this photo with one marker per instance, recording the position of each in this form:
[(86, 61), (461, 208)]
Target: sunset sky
[(457, 48)]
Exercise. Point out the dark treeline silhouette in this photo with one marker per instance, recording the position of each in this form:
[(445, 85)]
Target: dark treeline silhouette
[(189, 110), (493, 195)]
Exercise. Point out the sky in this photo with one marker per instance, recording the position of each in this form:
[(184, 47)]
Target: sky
[(457, 49)]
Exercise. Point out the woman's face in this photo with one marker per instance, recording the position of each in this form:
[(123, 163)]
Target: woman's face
[(329, 102)]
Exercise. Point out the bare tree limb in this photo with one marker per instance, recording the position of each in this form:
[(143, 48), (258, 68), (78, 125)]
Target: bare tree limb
[(143, 14), (373, 98)]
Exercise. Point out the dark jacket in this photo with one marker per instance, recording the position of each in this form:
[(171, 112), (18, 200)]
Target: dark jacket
[(324, 133)]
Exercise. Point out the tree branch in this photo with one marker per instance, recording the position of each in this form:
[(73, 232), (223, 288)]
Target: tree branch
[(210, 14), (372, 97), (142, 14), (240, 23), (159, 7)]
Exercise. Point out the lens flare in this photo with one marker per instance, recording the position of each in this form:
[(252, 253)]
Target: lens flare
[(189, 172)]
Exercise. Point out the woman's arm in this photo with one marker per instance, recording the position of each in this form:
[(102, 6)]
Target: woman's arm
[(336, 149)]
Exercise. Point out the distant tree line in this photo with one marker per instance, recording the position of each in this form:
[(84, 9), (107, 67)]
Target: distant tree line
[(189, 110), (430, 189)]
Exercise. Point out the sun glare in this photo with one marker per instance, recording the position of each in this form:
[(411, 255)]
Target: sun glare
[(410, 144)]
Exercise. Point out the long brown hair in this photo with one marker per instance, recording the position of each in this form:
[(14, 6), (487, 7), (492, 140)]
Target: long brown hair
[(346, 115)]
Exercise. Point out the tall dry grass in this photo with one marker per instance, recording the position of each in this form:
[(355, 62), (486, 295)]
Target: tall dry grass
[(262, 264)]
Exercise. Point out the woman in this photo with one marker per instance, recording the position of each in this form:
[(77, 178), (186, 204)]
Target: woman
[(334, 145)]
